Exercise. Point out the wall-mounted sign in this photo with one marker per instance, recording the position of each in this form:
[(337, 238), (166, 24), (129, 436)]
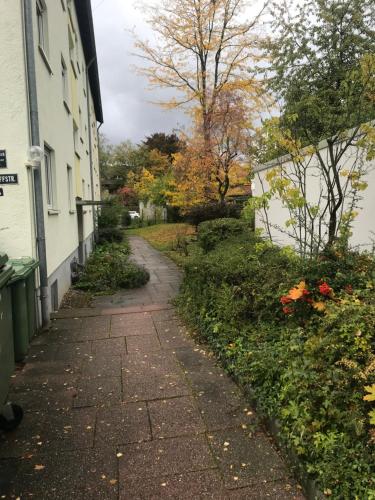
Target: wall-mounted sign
[(3, 158), (9, 179), (1, 192)]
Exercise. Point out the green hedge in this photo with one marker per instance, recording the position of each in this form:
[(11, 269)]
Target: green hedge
[(308, 372), (109, 269)]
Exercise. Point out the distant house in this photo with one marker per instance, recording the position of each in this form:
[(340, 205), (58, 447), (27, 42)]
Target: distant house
[(50, 109)]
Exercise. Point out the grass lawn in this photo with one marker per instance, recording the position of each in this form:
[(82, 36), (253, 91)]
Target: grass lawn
[(164, 237)]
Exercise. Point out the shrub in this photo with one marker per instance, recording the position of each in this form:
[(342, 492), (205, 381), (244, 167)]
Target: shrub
[(312, 376), (210, 211), (109, 269), (109, 216), (126, 220), (211, 232), (110, 235)]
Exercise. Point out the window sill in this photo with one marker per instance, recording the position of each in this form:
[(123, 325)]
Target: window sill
[(66, 105), (45, 59), (53, 211), (78, 155), (72, 212)]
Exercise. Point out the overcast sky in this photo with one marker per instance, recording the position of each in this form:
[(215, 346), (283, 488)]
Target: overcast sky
[(128, 112)]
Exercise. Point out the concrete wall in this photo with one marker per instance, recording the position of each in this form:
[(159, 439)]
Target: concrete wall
[(149, 211), (278, 214), (57, 116)]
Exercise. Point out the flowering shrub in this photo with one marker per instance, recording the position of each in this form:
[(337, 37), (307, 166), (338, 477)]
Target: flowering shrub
[(310, 360), (301, 302)]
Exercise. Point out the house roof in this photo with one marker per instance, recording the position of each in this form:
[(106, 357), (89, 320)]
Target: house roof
[(86, 28)]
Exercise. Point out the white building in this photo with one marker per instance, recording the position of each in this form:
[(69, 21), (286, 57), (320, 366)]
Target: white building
[(363, 228), (49, 97)]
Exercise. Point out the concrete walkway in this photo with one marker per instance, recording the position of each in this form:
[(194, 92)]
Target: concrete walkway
[(120, 403)]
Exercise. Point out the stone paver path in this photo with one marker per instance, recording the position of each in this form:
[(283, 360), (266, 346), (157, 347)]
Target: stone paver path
[(120, 403)]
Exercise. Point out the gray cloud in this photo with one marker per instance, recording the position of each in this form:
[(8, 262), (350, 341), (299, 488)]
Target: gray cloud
[(128, 112)]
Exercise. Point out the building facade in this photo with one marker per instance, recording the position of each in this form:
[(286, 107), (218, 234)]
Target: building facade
[(50, 107)]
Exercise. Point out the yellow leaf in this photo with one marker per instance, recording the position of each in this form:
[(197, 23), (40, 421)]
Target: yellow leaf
[(371, 390), (39, 467), (319, 306)]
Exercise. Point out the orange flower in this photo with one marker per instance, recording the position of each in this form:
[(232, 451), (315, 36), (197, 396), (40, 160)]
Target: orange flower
[(298, 291)]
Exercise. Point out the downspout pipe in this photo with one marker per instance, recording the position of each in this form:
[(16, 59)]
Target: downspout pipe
[(35, 141), (88, 93)]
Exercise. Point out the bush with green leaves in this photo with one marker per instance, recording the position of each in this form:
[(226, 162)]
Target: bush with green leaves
[(211, 232), (108, 223), (312, 376), (109, 269), (210, 211)]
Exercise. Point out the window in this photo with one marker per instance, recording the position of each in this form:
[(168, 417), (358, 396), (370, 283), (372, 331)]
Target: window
[(83, 190), (70, 188), (75, 138), (41, 14), (50, 177), (65, 86), (72, 52)]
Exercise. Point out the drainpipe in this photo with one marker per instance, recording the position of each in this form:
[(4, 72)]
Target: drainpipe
[(88, 93), (35, 141)]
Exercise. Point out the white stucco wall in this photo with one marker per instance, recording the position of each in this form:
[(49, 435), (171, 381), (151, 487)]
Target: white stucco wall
[(56, 131), (16, 225), (364, 224)]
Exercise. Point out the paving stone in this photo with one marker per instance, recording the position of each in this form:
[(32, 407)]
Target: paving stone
[(45, 431), (42, 353), (56, 375), (98, 392), (56, 337), (123, 424), (152, 376), (192, 485), (61, 476), (166, 456), (108, 347), (66, 324), (245, 460), (132, 324), (211, 380), (129, 320), (44, 399), (74, 351), (101, 366), (96, 323), (164, 315), (225, 411), (194, 357), (173, 335), (142, 343), (175, 417), (275, 490), (92, 334)]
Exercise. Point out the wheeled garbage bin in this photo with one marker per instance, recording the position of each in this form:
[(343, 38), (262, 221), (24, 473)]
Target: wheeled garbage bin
[(6, 329), (22, 286)]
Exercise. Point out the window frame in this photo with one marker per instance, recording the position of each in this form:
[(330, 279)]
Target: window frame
[(65, 83), (50, 181), (69, 171), (42, 24)]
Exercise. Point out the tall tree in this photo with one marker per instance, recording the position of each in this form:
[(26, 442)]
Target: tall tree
[(167, 144), (204, 48), (323, 73)]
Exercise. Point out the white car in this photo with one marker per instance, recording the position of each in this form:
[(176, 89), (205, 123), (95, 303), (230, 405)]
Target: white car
[(134, 215)]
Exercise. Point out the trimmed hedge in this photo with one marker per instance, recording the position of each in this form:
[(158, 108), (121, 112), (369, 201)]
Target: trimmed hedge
[(308, 374), (109, 269)]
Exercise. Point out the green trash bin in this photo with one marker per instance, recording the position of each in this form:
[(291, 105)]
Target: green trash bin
[(6, 329), (22, 286)]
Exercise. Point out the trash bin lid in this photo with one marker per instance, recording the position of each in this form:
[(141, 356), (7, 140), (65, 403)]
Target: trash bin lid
[(23, 267), (5, 275), (3, 259)]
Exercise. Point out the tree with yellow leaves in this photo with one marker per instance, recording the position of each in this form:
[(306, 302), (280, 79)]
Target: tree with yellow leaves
[(204, 48)]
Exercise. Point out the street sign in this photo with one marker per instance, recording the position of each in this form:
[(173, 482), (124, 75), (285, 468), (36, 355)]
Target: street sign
[(3, 158), (8, 178)]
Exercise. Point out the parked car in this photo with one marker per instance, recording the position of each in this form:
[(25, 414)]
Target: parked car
[(134, 215)]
